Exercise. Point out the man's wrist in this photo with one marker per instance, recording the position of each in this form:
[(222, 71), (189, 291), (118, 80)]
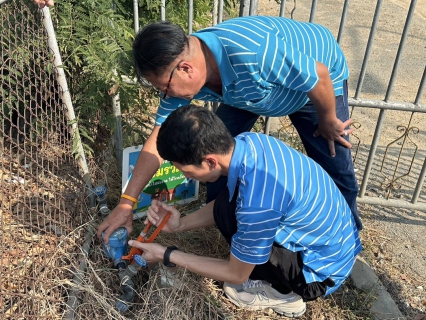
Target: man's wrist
[(166, 257), (124, 201), (326, 117), (126, 196)]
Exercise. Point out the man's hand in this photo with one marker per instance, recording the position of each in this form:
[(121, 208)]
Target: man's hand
[(158, 210), (329, 126), (44, 3), (152, 252), (121, 216), (335, 131)]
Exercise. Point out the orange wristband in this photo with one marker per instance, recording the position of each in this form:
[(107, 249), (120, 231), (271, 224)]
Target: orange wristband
[(125, 196)]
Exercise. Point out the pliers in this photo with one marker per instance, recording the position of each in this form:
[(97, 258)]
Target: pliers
[(142, 238)]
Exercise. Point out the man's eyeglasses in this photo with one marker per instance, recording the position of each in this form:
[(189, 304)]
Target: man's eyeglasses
[(161, 94)]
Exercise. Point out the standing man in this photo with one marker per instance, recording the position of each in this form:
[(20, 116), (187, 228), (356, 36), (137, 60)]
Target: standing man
[(291, 233), (254, 66)]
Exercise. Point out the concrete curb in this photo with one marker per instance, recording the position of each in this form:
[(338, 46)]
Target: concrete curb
[(365, 278)]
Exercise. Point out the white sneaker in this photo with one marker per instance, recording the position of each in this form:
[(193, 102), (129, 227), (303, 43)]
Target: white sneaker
[(259, 295)]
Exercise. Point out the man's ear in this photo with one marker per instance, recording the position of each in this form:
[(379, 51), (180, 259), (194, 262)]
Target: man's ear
[(211, 162), (186, 66)]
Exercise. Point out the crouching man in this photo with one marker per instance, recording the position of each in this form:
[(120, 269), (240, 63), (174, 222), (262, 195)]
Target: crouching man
[(291, 233)]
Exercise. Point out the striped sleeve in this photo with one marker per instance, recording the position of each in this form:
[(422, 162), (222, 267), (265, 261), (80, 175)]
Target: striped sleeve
[(167, 107), (256, 233)]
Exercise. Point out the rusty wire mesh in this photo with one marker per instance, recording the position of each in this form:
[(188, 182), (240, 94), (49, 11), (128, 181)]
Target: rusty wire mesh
[(42, 195)]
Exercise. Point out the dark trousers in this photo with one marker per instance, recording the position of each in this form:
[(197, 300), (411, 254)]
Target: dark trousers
[(284, 267), (340, 168)]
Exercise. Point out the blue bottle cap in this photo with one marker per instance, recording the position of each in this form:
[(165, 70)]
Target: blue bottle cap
[(100, 191), (139, 260)]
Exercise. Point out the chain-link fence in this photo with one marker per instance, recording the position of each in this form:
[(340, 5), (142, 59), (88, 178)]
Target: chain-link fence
[(42, 194)]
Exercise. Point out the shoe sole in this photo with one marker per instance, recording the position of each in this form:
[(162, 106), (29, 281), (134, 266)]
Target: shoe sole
[(280, 312), (291, 314)]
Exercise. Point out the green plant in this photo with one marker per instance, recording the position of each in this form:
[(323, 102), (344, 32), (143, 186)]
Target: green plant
[(95, 38)]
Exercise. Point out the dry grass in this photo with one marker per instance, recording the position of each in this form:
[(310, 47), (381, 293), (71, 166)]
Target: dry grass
[(391, 254), (192, 296), (41, 214)]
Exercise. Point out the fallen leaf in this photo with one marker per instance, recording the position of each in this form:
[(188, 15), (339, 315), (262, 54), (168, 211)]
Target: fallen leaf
[(420, 317)]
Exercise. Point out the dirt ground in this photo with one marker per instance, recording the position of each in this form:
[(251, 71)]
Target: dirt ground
[(393, 238)]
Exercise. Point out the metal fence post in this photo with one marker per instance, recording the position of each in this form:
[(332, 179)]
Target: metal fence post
[(118, 132), (66, 98)]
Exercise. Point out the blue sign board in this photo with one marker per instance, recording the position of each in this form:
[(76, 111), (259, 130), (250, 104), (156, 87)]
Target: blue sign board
[(168, 184)]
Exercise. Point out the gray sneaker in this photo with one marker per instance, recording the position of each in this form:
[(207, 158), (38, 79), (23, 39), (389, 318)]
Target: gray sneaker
[(259, 295)]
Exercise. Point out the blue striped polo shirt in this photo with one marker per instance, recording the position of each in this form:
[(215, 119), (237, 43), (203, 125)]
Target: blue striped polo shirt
[(267, 64), (287, 198)]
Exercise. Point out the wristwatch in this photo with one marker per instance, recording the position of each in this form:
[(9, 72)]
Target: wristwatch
[(166, 259)]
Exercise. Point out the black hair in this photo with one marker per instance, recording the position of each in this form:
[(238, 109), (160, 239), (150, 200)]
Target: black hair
[(156, 46), (190, 133)]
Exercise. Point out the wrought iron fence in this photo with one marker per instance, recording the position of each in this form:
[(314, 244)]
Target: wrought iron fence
[(384, 46), (42, 192)]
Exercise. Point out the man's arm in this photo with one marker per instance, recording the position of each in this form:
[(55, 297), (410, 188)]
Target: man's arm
[(324, 100), (148, 163), (233, 271), (201, 218), (308, 73)]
